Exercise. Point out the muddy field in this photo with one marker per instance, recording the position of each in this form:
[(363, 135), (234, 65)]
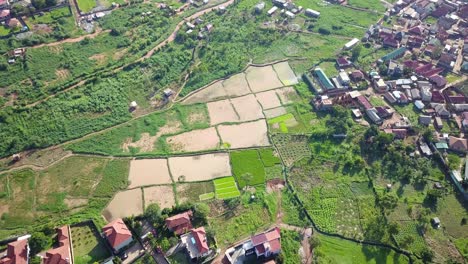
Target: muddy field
[(275, 112), (245, 135), (210, 93), (124, 204), (247, 107), (287, 95), (221, 112), (195, 140), (200, 167), (268, 99), (162, 195), (148, 172), (236, 85), (285, 73), (262, 79)]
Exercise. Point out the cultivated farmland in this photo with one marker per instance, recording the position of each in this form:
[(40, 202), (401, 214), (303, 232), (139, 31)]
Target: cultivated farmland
[(285, 73), (124, 204), (222, 112), (226, 188), (195, 140), (270, 113), (200, 167), (287, 95), (191, 192), (291, 147), (247, 167), (162, 195), (268, 99), (245, 135), (247, 107), (262, 79), (148, 172)]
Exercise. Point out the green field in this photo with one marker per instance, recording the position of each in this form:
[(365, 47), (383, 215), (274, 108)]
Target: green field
[(269, 158), (226, 188), (86, 5), (335, 250), (88, 246), (247, 168)]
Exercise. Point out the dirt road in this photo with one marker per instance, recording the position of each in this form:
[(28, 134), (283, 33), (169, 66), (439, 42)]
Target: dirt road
[(71, 40)]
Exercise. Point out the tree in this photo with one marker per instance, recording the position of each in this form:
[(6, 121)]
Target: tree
[(356, 52), (388, 201), (427, 255), (201, 211), (153, 213), (51, 2), (38, 4), (394, 228), (35, 260), (407, 240), (453, 161), (433, 195), (38, 242)]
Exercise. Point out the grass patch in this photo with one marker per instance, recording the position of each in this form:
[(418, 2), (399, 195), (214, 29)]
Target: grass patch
[(268, 157), (88, 246), (335, 250), (86, 5), (377, 101), (206, 196), (290, 244), (274, 172), (247, 167)]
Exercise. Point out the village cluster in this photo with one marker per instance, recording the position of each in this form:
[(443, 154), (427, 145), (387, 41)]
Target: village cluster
[(123, 243), (414, 71)]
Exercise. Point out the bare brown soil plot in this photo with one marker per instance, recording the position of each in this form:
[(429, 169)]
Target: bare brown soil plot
[(236, 85), (124, 204), (275, 112), (221, 112), (247, 107), (207, 94), (287, 95), (195, 140), (262, 78), (148, 172), (161, 195), (201, 167), (285, 73), (268, 99), (245, 135)]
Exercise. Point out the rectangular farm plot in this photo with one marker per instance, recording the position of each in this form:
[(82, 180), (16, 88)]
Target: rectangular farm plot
[(212, 92), (268, 99), (262, 79), (283, 122), (222, 112), (247, 167), (124, 204), (287, 95), (161, 195), (247, 107), (285, 73), (148, 172), (200, 168), (226, 188), (236, 85), (195, 140), (245, 135), (270, 113), (191, 192)]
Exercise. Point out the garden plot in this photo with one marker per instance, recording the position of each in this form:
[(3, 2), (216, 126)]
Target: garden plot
[(285, 73), (247, 107), (291, 147), (190, 192), (222, 112), (262, 79), (283, 122), (200, 168), (287, 95), (148, 172), (195, 140), (245, 135), (207, 94), (226, 188), (275, 112), (236, 85), (124, 204), (268, 99), (146, 141), (161, 195), (88, 246)]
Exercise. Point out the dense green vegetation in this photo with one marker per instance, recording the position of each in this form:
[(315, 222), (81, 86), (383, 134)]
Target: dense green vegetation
[(88, 247), (226, 188)]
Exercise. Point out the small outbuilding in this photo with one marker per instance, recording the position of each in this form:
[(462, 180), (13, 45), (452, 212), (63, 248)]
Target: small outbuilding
[(435, 222)]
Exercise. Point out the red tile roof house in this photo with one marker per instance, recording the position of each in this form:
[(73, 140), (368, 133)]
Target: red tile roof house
[(180, 223), (267, 244), (63, 253), (342, 62), (17, 253), (196, 243), (458, 144), (118, 235)]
